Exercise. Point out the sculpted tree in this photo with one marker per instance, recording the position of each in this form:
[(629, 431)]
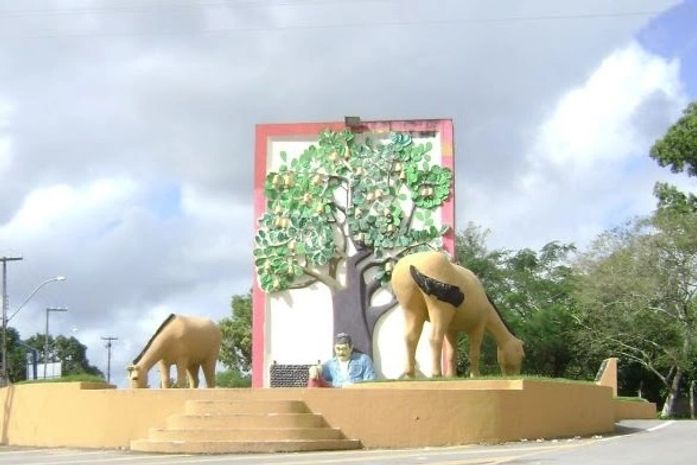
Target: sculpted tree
[(349, 208)]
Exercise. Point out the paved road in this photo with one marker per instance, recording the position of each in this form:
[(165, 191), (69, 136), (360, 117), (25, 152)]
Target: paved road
[(640, 442)]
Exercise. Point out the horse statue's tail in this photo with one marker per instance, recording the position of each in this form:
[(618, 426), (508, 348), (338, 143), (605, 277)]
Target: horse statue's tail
[(444, 292)]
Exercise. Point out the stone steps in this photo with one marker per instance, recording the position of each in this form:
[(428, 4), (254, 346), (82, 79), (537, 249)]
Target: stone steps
[(245, 406), (243, 434), (232, 447), (223, 427), (246, 420)]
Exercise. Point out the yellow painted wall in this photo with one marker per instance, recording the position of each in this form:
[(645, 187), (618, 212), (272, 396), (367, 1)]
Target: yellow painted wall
[(634, 409), (380, 414)]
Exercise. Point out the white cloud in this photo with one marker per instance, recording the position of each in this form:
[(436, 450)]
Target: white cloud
[(60, 206), (595, 122), (131, 146), (588, 164), (5, 142)]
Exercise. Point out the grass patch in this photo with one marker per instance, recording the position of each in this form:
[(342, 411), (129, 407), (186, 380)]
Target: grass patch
[(488, 378), (67, 379), (631, 399)]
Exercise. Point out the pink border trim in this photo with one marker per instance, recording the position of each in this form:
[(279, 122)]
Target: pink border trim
[(263, 133)]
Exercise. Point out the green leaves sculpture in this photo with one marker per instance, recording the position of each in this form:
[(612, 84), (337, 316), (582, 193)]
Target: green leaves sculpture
[(358, 204)]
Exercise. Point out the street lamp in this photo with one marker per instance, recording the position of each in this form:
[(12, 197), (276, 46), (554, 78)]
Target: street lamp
[(5, 307), (48, 311), (56, 278)]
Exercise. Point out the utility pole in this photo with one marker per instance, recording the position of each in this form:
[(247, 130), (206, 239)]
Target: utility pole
[(108, 340), (5, 307), (48, 311)]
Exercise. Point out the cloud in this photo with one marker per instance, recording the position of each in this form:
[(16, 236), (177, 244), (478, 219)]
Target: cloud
[(598, 121), (5, 142), (131, 133), (587, 165), (132, 253), (57, 208)]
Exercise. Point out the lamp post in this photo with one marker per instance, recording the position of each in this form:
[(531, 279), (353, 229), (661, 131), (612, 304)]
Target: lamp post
[(48, 311), (36, 289), (5, 307)]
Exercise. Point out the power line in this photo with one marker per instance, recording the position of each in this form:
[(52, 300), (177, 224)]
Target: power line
[(349, 25), (171, 7)]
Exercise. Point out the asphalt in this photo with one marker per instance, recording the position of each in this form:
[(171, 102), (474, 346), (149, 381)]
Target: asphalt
[(636, 442)]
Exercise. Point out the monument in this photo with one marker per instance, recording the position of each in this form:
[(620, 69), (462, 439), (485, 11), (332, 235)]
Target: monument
[(336, 205)]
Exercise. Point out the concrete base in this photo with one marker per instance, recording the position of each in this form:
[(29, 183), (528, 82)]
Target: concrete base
[(379, 415), (634, 410)]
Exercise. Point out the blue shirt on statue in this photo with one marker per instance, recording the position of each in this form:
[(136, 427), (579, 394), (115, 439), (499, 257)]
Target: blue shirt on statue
[(359, 368)]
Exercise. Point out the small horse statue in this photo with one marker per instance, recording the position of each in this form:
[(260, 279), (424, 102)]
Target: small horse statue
[(429, 287), (189, 343)]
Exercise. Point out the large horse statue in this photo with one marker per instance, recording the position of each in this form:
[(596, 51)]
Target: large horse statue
[(188, 342), (431, 288)]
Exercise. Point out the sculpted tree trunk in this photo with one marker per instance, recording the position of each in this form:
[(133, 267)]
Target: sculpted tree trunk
[(353, 313)]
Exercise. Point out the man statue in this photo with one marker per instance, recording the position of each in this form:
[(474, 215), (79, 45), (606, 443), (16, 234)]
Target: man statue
[(346, 367)]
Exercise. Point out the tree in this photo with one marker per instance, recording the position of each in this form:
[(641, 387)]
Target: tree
[(678, 147), (236, 347), (539, 295), (352, 207), (533, 290), (68, 350), (16, 357), (637, 296)]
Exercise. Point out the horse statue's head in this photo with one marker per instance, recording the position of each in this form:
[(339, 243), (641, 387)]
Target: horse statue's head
[(137, 378), (510, 356)]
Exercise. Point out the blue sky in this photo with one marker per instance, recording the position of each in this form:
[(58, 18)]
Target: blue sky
[(673, 34)]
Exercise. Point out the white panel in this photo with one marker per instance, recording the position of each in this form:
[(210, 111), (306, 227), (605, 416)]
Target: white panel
[(390, 349)]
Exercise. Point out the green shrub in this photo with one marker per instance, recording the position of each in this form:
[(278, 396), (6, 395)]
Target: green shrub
[(232, 379)]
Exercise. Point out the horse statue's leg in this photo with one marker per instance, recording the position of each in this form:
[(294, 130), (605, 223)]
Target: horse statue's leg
[(181, 373), (164, 374), (450, 353), (414, 319), (209, 372), (192, 375), (440, 314), (475, 343)]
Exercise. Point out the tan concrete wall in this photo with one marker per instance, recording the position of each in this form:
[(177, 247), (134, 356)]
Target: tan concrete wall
[(380, 415), (449, 412), (634, 410)]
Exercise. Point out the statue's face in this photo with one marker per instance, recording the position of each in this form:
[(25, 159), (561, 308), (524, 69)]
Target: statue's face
[(343, 351), (136, 379)]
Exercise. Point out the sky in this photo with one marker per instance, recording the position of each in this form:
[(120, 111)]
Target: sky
[(127, 131)]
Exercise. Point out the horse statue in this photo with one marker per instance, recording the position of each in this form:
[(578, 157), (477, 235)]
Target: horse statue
[(188, 342), (431, 288)]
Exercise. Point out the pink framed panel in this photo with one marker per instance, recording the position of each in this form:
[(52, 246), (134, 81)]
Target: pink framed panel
[(266, 131)]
